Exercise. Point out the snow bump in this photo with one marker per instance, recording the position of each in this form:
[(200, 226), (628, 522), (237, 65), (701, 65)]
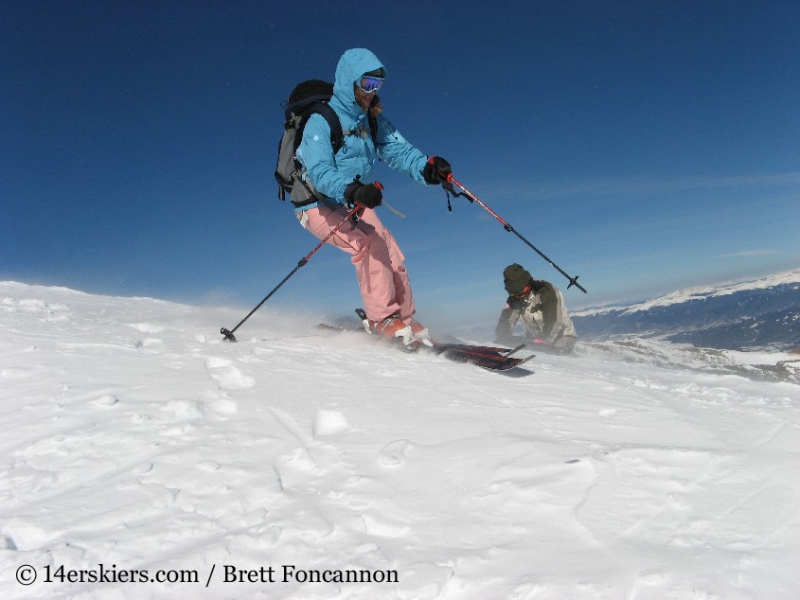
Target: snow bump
[(330, 422), (227, 375)]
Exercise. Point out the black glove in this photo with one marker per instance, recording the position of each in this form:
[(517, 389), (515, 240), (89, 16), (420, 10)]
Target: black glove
[(368, 195), (436, 170)]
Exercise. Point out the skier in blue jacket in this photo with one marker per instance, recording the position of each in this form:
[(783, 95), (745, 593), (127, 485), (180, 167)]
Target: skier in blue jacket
[(345, 179)]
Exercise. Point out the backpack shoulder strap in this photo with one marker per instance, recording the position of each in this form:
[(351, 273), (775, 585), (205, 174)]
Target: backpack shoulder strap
[(321, 108), (372, 119)]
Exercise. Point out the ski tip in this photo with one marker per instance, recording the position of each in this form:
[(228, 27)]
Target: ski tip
[(515, 350)]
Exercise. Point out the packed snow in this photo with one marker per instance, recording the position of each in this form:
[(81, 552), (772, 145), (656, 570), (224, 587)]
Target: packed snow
[(139, 447)]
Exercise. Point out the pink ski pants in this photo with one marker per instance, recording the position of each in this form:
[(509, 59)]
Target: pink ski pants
[(379, 263)]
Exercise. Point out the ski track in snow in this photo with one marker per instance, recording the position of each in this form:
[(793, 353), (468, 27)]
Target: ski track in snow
[(134, 436)]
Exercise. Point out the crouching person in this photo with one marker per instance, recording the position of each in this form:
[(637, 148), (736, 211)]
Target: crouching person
[(541, 308)]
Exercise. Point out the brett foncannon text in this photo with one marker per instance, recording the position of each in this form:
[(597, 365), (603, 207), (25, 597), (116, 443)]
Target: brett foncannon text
[(290, 573)]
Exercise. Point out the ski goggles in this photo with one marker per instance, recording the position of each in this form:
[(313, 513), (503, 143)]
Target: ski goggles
[(522, 293), (370, 84)]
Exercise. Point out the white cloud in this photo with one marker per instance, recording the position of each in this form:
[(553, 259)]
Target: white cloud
[(748, 253)]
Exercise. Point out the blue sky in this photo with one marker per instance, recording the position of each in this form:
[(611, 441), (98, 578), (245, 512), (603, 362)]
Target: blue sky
[(644, 146)]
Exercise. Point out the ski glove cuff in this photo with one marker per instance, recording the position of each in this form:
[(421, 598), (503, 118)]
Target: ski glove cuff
[(436, 170), (368, 195)]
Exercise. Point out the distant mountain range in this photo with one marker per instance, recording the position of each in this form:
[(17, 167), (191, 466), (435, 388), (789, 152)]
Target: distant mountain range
[(756, 314)]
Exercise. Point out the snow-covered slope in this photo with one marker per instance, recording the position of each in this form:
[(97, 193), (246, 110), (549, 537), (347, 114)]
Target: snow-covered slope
[(703, 292), (136, 439), (763, 313)]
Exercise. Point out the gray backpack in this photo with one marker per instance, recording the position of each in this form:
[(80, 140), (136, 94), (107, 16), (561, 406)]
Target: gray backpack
[(307, 98)]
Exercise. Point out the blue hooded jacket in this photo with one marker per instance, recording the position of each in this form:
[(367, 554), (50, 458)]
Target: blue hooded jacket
[(331, 174)]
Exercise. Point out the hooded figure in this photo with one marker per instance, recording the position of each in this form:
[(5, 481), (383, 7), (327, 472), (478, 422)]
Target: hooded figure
[(331, 175), (540, 306), (346, 179)]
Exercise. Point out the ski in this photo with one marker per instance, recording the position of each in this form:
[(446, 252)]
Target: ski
[(478, 350), (480, 358), (492, 358)]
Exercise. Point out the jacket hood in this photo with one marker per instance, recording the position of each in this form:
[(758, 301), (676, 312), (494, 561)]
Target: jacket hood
[(352, 65)]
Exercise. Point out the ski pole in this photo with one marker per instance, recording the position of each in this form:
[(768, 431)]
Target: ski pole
[(473, 198), (228, 333)]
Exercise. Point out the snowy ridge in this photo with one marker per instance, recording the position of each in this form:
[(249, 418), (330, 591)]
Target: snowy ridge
[(699, 293), (133, 436), (756, 315)]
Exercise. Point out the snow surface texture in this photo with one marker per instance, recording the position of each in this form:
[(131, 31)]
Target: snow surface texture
[(135, 438)]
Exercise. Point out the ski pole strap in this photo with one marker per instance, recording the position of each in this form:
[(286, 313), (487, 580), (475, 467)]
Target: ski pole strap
[(393, 209), (448, 188)]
